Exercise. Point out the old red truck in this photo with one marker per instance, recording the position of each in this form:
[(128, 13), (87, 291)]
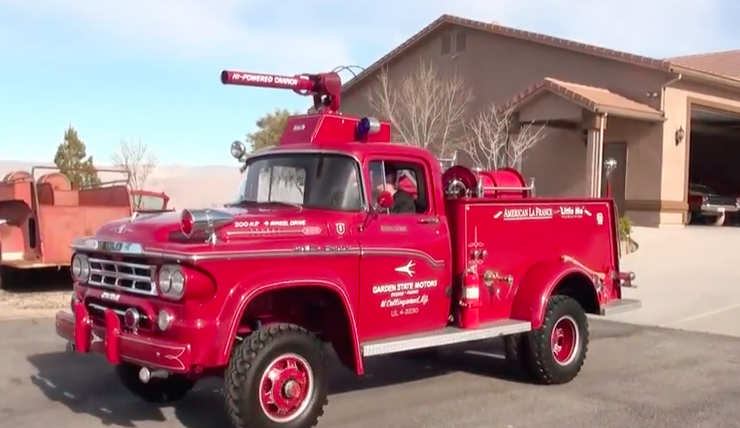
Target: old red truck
[(315, 253), (41, 213)]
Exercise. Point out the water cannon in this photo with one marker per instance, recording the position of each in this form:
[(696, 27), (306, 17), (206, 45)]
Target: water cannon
[(325, 88), (324, 125)]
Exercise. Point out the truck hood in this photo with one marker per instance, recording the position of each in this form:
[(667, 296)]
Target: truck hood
[(252, 222)]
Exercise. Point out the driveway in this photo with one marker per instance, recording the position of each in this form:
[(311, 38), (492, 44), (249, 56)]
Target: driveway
[(634, 377), (688, 278)]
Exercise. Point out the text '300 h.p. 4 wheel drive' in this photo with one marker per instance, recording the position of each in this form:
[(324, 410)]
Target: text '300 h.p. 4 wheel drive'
[(340, 237)]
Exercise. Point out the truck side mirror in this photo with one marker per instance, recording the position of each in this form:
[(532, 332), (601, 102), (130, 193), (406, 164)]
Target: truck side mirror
[(384, 200)]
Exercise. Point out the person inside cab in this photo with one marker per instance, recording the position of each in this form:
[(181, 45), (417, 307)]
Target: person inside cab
[(403, 202)]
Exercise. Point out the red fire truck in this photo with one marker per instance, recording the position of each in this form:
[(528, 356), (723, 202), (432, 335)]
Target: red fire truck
[(315, 253)]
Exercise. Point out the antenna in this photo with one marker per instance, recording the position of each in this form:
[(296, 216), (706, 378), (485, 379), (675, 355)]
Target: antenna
[(325, 88)]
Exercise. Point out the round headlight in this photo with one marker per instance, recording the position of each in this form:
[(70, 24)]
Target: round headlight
[(177, 283), (76, 267), (165, 284), (84, 268), (80, 267)]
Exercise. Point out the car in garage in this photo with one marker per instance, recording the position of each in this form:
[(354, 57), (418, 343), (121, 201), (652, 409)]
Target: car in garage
[(707, 206)]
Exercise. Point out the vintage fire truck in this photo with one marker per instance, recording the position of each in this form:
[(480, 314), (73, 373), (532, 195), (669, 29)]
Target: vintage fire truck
[(40, 215), (315, 253)]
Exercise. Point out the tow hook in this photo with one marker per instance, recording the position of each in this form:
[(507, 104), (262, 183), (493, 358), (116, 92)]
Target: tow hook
[(145, 375)]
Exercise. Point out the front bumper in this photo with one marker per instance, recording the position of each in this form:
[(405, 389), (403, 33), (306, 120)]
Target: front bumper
[(710, 209), (119, 346)]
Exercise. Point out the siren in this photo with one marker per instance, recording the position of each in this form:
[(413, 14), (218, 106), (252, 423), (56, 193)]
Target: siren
[(365, 127)]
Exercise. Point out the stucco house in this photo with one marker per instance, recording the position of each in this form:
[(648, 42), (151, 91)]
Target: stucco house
[(597, 103)]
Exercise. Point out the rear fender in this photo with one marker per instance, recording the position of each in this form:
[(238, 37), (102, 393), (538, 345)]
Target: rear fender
[(547, 278), (254, 285)]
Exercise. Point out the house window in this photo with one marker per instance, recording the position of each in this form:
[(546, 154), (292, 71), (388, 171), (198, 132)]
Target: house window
[(446, 42), (461, 41)]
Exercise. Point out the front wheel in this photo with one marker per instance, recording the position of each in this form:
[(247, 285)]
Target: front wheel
[(276, 378), (558, 349), (159, 391)]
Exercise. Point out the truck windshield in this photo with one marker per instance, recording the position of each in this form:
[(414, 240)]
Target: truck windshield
[(311, 180), (148, 202)]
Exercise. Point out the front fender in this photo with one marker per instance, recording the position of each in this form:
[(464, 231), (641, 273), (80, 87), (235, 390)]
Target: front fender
[(255, 284), (536, 287)]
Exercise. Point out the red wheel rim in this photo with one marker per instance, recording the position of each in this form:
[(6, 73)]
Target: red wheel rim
[(286, 387), (565, 340)]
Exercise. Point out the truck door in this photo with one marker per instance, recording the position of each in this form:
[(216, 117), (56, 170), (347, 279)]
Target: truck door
[(404, 269)]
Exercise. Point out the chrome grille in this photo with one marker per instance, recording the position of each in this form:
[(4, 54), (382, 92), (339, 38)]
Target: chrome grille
[(123, 276)]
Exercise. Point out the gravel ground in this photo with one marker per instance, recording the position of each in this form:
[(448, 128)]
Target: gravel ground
[(40, 291)]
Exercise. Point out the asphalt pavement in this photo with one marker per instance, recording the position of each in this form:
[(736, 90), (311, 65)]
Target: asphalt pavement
[(635, 376)]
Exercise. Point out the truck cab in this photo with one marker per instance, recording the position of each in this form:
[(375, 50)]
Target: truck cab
[(340, 237)]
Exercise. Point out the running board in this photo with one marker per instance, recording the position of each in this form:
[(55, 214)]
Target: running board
[(445, 336), (619, 306)]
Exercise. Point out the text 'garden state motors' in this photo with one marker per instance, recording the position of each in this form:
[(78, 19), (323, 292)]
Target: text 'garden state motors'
[(404, 286)]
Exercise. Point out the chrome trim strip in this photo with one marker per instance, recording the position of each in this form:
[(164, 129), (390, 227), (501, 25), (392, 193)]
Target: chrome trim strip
[(103, 308), (181, 256)]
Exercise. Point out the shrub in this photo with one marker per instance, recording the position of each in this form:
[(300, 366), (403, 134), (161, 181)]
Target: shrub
[(625, 227)]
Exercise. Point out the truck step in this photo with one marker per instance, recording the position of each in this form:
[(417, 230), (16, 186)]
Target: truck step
[(445, 336), (619, 306)]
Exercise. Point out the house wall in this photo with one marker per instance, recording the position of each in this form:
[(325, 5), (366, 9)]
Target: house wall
[(497, 68), (643, 181)]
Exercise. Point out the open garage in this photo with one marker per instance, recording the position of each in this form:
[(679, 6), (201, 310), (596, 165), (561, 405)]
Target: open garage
[(714, 158)]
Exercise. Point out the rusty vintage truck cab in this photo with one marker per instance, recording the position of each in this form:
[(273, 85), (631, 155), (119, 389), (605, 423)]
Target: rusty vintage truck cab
[(316, 251)]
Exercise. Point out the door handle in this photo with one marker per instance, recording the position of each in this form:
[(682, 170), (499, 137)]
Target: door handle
[(429, 220)]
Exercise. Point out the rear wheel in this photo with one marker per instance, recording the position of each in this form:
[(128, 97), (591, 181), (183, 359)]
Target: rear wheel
[(276, 378), (558, 349), (168, 390)]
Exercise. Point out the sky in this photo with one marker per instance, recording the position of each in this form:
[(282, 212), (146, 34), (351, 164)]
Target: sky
[(149, 69)]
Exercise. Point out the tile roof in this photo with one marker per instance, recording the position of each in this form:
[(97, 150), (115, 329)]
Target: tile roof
[(596, 99), (725, 64), (496, 28), (722, 65)]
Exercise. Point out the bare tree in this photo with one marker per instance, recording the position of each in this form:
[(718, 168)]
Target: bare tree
[(135, 158), (495, 140), (424, 109)]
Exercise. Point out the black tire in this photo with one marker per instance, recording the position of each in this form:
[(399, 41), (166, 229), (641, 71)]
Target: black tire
[(516, 353), (158, 391), (544, 366), (267, 349)]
